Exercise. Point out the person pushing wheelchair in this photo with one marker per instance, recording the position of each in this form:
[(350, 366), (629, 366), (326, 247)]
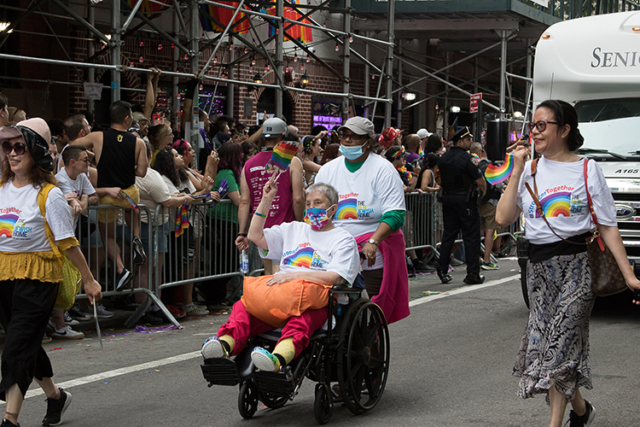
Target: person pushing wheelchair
[(314, 256)]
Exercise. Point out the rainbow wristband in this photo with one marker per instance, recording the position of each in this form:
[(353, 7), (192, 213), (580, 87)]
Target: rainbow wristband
[(259, 214)]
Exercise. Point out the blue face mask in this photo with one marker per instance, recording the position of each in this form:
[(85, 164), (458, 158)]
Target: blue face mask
[(351, 153)]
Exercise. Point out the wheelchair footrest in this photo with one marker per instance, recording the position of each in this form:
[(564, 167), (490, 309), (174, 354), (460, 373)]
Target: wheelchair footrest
[(220, 371), (273, 382)]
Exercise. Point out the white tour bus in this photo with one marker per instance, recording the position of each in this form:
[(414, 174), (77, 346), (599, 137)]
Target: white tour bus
[(594, 64)]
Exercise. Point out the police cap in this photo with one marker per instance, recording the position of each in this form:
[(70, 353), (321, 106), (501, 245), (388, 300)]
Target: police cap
[(460, 134)]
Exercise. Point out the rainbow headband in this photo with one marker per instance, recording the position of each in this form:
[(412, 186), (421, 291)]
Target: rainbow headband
[(497, 174), (398, 153)]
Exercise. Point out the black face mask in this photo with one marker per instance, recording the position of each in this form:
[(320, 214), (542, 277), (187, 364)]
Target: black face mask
[(38, 148)]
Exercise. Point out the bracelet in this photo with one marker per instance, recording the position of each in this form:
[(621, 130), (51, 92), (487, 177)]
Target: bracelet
[(262, 215), (185, 200), (242, 234)]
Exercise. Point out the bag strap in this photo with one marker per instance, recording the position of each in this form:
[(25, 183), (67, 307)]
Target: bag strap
[(42, 202), (594, 218), (534, 196)]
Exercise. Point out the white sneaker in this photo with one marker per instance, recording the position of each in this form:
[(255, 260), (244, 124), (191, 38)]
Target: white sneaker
[(67, 333), (195, 310), (213, 348)]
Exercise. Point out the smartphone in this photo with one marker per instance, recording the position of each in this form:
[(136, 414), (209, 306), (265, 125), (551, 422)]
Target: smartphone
[(636, 294)]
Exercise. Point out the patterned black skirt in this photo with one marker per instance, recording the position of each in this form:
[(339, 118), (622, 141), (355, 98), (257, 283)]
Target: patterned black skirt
[(555, 345)]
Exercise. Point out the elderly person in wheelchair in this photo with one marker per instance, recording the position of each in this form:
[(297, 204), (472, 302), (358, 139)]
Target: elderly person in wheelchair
[(314, 256)]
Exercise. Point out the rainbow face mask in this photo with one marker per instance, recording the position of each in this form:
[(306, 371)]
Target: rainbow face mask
[(317, 218)]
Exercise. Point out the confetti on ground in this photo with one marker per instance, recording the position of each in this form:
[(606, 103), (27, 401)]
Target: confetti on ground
[(56, 348), (106, 382), (426, 293)]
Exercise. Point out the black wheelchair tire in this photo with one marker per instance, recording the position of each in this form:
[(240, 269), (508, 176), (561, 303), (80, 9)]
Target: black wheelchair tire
[(248, 399), (273, 401), (363, 326), (323, 406), (523, 280)]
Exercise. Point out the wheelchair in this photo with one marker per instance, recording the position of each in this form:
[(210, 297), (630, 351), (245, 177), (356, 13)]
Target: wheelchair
[(352, 349)]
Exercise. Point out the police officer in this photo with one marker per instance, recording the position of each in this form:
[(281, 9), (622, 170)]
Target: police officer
[(460, 180)]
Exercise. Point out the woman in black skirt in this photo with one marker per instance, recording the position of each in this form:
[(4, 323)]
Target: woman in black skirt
[(30, 271), (554, 355)]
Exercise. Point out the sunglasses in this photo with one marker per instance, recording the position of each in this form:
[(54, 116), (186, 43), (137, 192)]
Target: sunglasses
[(18, 147), (541, 125)]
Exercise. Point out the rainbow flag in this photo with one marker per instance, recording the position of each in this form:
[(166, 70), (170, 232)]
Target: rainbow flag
[(420, 152), (404, 172), (453, 129), (223, 16), (297, 32), (132, 202), (182, 220), (282, 156), (497, 174)]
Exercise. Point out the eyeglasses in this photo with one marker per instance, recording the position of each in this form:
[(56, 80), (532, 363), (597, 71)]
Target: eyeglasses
[(18, 147), (541, 125), (353, 136)]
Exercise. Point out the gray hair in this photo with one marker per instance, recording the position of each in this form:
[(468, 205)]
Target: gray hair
[(326, 189)]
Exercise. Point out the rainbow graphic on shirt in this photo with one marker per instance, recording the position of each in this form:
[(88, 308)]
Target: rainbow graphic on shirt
[(347, 209), (497, 174), (556, 204), (7, 222), (301, 258)]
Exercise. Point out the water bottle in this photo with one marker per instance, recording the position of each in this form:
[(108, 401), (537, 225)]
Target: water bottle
[(244, 262)]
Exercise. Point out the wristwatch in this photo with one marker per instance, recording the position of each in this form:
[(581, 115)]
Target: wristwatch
[(373, 242)]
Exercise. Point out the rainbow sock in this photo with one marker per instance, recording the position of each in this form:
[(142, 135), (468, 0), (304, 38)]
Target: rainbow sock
[(286, 350)]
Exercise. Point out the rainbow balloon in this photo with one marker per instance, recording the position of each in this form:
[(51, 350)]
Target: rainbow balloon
[(282, 156), (497, 174)]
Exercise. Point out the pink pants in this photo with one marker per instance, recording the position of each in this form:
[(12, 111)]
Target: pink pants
[(242, 326)]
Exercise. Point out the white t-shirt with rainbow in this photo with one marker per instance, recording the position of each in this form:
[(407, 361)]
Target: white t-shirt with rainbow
[(564, 200), (300, 248)]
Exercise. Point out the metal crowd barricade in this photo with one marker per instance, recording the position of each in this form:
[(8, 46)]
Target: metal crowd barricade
[(201, 245), (423, 226), (105, 243)]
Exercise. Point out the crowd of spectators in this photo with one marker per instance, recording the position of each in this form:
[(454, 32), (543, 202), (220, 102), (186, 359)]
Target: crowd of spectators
[(137, 161)]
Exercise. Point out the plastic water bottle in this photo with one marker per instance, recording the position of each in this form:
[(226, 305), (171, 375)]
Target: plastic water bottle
[(244, 262)]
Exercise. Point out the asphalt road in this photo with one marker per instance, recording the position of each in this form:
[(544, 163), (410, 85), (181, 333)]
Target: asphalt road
[(451, 364)]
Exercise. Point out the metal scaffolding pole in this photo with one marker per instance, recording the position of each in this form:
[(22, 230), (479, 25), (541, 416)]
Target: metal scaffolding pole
[(367, 77), (221, 39), (115, 51), (194, 56), (91, 17), (400, 90), (231, 87), (346, 71), (279, 55), (391, 35), (175, 89), (445, 115), (503, 71)]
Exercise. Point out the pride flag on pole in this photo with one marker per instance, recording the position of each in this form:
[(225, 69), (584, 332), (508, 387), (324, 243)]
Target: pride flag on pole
[(282, 155), (497, 174), (453, 129)]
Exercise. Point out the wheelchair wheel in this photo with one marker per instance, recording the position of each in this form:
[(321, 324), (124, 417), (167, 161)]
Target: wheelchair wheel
[(323, 406), (248, 399), (363, 358), (273, 400)]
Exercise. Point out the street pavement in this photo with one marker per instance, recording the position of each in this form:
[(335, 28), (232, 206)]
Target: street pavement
[(451, 364)]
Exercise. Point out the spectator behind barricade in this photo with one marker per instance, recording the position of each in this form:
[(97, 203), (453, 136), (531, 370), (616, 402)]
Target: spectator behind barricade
[(220, 129), (16, 115), (434, 144), (30, 271), (58, 135), (397, 155), (53, 150), (429, 173), (74, 184), (249, 149), (412, 145), (488, 224), (160, 137), (225, 218), (241, 129), (331, 151), (170, 165), (311, 151), (424, 135), (140, 125), (188, 154), (372, 210), (120, 157), (335, 262), (326, 139), (153, 192), (75, 127), (288, 203)]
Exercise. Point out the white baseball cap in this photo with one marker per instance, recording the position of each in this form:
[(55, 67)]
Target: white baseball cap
[(423, 133)]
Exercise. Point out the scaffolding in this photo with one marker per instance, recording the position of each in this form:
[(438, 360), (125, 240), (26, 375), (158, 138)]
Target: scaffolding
[(186, 35)]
